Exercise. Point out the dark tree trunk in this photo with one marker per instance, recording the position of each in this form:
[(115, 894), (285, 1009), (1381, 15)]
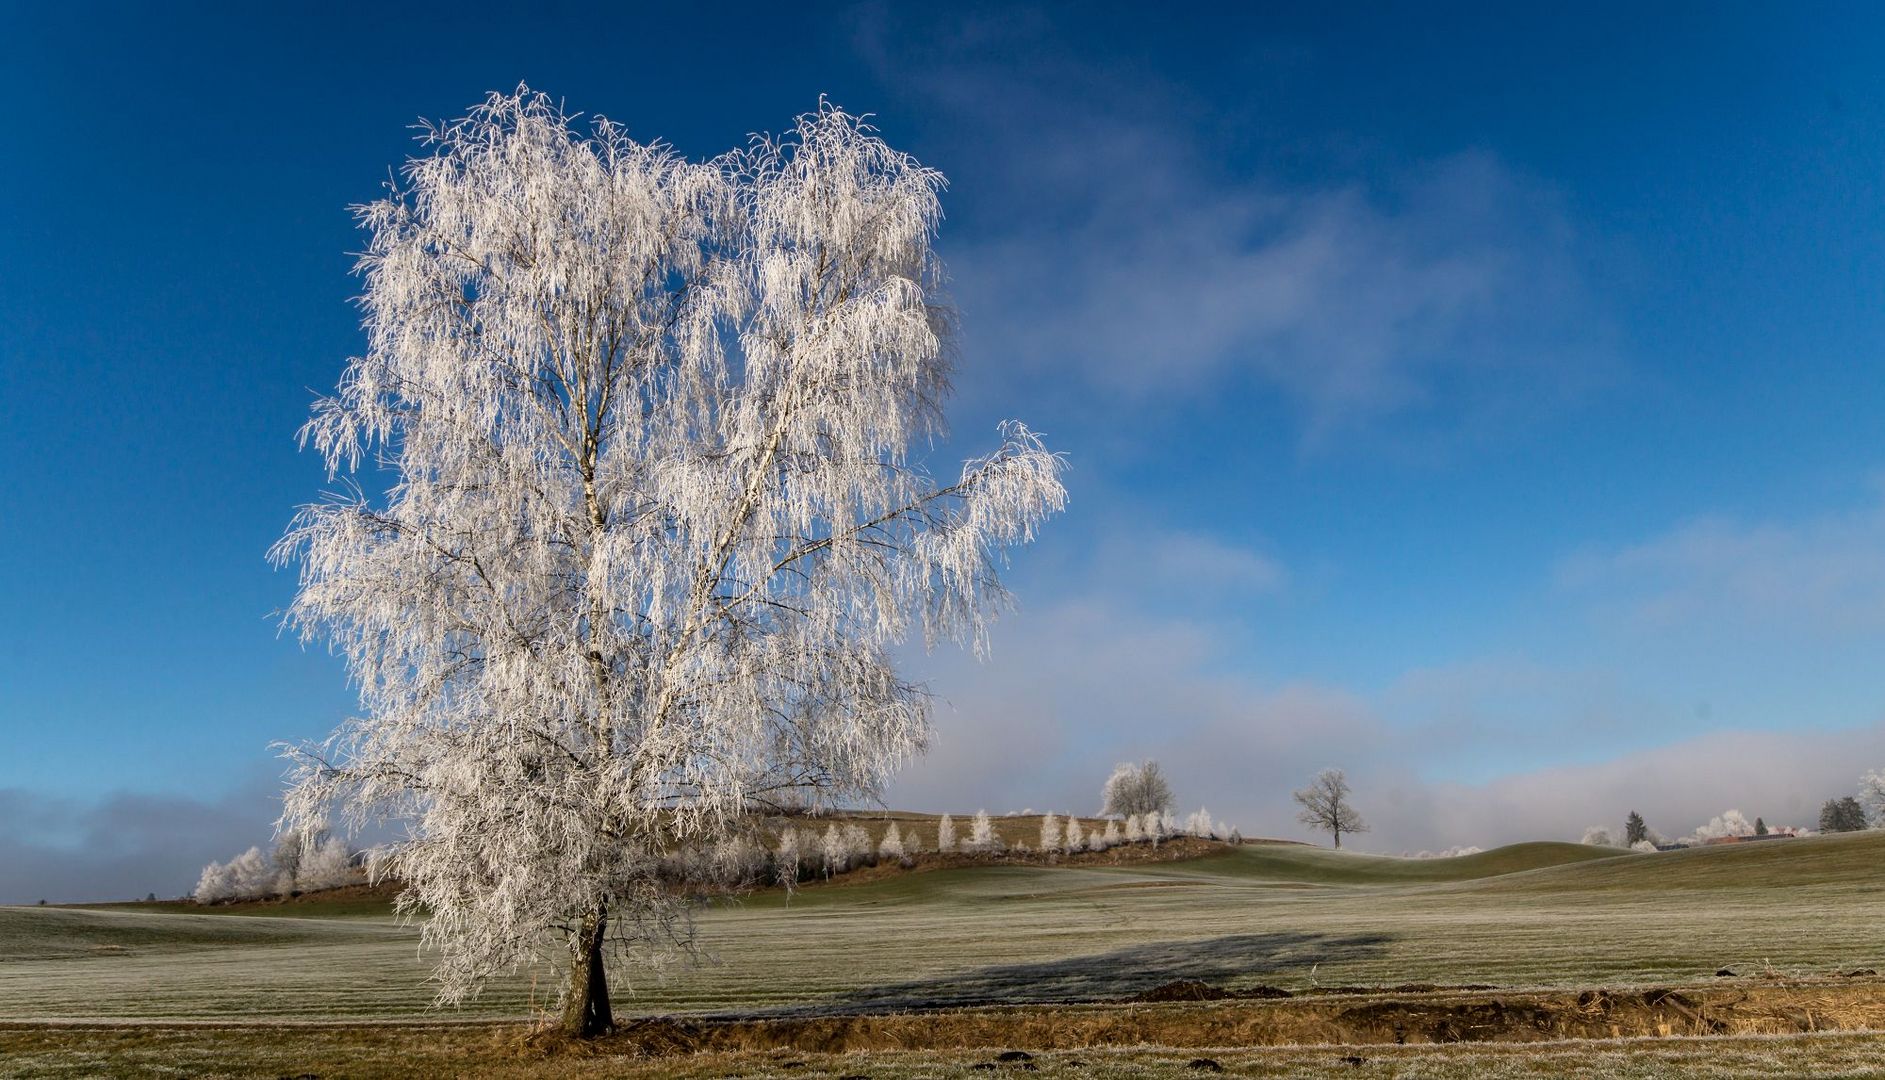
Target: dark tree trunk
[(586, 1011)]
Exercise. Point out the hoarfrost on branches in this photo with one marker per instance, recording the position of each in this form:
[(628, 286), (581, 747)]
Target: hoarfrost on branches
[(653, 527), (946, 835)]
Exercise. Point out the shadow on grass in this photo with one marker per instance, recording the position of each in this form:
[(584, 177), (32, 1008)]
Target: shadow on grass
[(1116, 974)]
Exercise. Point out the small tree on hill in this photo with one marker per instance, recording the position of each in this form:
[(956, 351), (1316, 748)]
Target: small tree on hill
[(1325, 806), (1842, 815), (1050, 833), (946, 835), (892, 845), (1760, 826), (1634, 829), (1075, 838), (982, 835), (1872, 797), (1135, 789)]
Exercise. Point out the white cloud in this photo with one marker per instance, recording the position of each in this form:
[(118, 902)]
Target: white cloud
[(1823, 576)]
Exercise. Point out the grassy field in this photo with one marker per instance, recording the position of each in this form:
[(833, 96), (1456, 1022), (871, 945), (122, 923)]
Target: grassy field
[(1534, 915), (1262, 915)]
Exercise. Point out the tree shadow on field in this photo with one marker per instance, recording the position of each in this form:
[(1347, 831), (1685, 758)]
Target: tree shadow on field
[(1121, 973)]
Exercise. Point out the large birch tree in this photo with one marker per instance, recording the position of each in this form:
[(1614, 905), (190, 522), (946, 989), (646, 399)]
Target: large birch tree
[(629, 521)]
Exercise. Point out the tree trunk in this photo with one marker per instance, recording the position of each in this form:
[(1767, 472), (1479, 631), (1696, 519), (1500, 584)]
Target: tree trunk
[(1338, 839), (586, 1012)]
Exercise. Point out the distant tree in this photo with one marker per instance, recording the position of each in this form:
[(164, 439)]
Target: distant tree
[(1135, 789), (912, 841), (327, 865), (946, 835), (1050, 833), (150, 898), (1325, 806), (1074, 839), (833, 853), (1135, 828), (1109, 837), (982, 836), (1842, 815), (891, 846), (1872, 797), (785, 857), (42, 903), (1760, 826), (1634, 829), (1598, 836)]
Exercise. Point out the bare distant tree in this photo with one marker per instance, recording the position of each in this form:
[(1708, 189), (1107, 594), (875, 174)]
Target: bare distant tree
[(652, 525), (1325, 806), (1135, 790)]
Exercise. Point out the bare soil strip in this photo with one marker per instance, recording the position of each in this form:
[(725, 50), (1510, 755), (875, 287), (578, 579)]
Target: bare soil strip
[(1351, 1017), (1191, 1015)]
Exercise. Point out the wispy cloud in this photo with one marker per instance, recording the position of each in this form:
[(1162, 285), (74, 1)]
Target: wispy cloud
[(1130, 257), (1822, 576)]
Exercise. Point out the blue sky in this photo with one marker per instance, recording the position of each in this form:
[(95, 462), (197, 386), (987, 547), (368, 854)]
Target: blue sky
[(1485, 401)]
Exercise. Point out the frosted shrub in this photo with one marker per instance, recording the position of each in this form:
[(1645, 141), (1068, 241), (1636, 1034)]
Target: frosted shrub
[(251, 875), (982, 833), (1111, 837), (912, 842), (1643, 845), (946, 835), (1167, 824), (1050, 833), (892, 845), (1135, 829), (1598, 836)]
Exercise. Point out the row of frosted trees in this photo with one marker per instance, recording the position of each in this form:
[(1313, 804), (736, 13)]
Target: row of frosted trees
[(295, 866), (799, 854)]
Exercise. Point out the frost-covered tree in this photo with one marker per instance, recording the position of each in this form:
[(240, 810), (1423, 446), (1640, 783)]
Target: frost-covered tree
[(1728, 823), (1073, 839), (652, 528), (1872, 797), (327, 865), (215, 884), (252, 875), (891, 847), (1645, 845), (1135, 829), (1325, 806), (982, 835), (912, 841), (786, 857), (1050, 833), (858, 849), (1110, 837), (1598, 836), (834, 854), (1135, 789), (946, 835)]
